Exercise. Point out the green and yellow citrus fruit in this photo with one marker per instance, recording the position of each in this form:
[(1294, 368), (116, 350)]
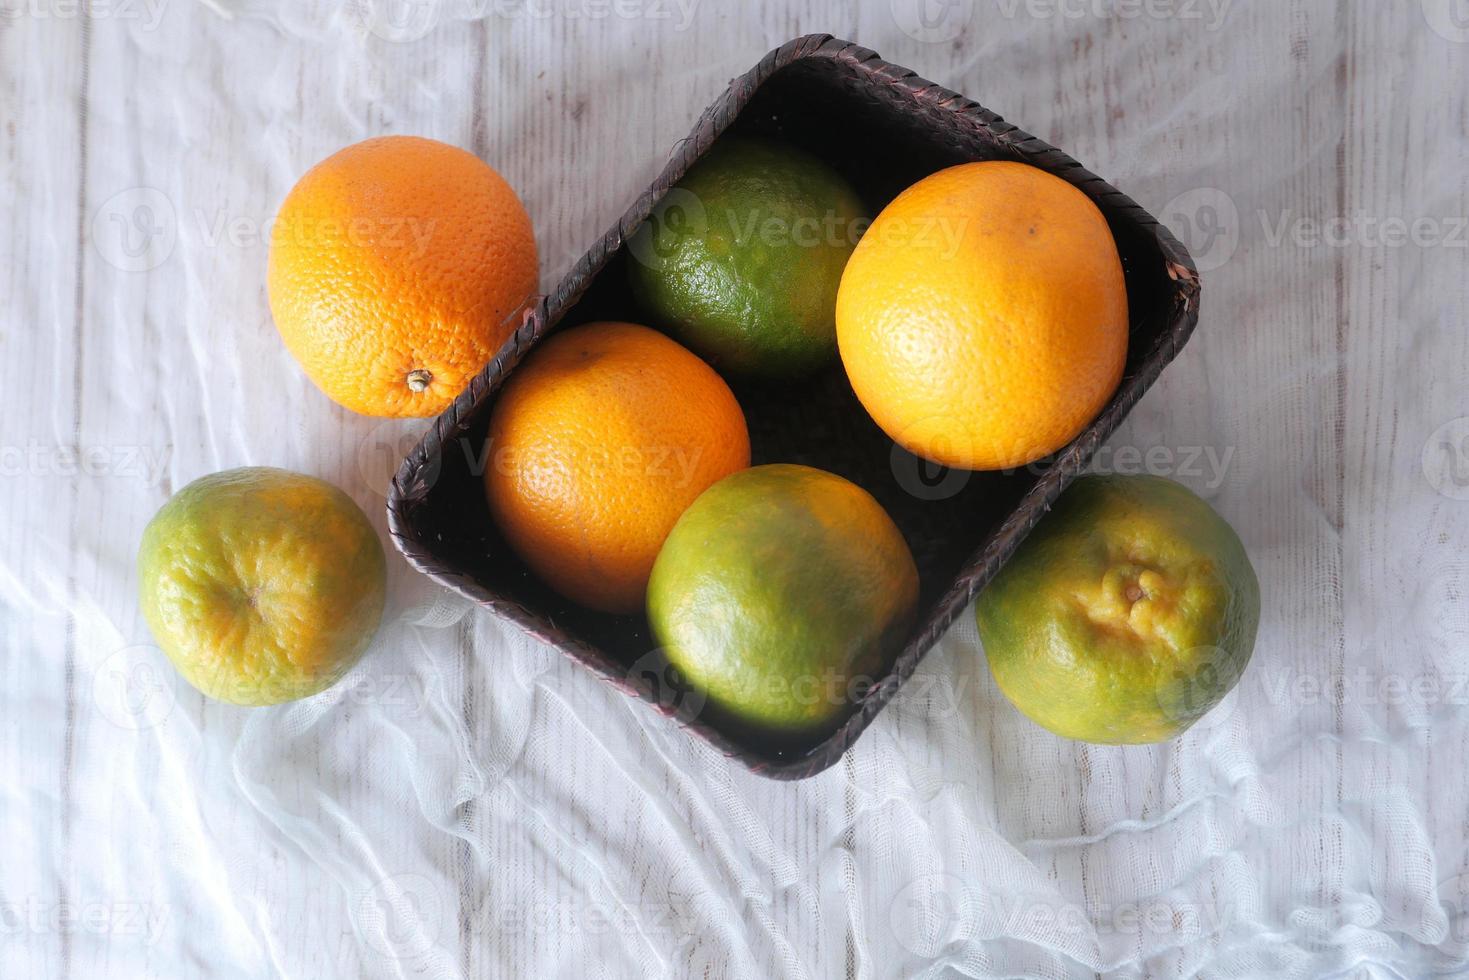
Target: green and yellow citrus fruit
[(741, 261), (780, 591), (1126, 615), (261, 585)]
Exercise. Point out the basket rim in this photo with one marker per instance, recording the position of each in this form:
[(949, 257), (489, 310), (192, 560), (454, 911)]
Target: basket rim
[(409, 486)]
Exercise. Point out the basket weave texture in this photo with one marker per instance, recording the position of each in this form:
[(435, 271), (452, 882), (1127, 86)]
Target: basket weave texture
[(884, 128)]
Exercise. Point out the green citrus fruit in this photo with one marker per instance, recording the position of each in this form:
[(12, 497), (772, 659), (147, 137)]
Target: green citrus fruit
[(780, 593), (741, 261), (1126, 615), (261, 585)]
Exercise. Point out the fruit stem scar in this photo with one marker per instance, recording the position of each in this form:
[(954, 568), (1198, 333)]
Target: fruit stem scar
[(418, 379)]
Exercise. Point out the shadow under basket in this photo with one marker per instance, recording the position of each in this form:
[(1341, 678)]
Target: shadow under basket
[(883, 128)]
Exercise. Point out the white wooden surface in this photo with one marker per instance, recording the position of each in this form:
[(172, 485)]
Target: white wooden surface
[(470, 805)]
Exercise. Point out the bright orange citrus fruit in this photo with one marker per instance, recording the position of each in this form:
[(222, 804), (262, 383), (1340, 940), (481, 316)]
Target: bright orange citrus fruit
[(597, 444), (982, 318), (398, 266)]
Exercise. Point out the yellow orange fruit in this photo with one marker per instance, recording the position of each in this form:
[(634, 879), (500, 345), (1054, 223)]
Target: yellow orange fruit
[(982, 319), (597, 444), (398, 266), (261, 585)]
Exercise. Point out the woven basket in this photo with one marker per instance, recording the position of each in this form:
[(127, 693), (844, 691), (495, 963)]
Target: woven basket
[(883, 128)]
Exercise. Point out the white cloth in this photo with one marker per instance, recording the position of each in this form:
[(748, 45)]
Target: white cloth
[(469, 803)]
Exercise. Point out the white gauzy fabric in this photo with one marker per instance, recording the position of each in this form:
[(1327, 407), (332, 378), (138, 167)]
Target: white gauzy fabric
[(468, 802)]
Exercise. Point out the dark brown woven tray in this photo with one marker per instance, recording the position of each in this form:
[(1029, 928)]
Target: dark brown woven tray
[(883, 128)]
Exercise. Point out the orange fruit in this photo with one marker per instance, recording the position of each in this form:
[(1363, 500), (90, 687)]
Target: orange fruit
[(597, 444), (982, 318), (398, 266)]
